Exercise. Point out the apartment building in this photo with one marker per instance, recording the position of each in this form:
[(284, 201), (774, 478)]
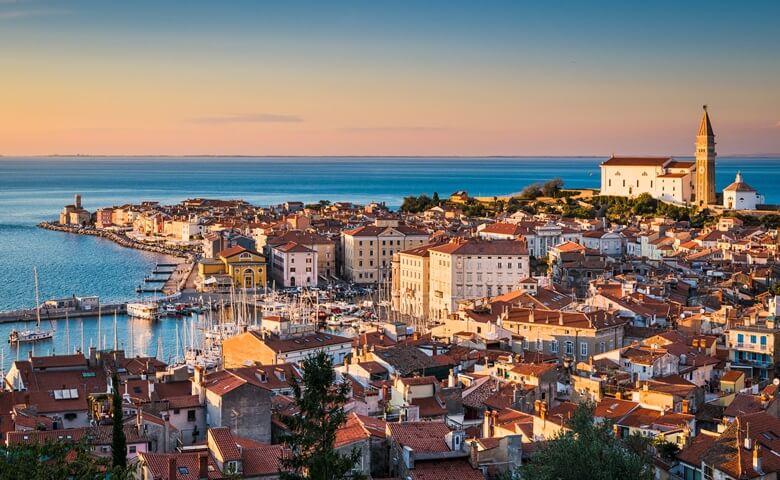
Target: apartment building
[(325, 248), (753, 347), (294, 265), (368, 250), (567, 335), (471, 268), (411, 279)]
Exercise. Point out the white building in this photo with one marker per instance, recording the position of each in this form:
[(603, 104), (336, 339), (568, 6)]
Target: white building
[(741, 196), (464, 269), (608, 243), (663, 178), (294, 265), (540, 237)]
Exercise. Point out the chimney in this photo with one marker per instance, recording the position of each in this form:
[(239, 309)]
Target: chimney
[(203, 466), (487, 424), (451, 379), (531, 316), (560, 317), (685, 406), (757, 458), (172, 467)]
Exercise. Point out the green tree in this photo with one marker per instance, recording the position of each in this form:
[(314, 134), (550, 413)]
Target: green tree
[(435, 199), (118, 440), (58, 460), (587, 450), (311, 433)]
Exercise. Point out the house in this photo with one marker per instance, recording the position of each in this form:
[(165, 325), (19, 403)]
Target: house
[(236, 399), (249, 348), (294, 265)]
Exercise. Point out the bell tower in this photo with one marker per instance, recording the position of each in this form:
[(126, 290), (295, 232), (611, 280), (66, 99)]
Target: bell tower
[(705, 163)]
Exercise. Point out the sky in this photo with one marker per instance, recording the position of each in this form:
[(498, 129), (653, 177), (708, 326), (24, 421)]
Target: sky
[(387, 78)]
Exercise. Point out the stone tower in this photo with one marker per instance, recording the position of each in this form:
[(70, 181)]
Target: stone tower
[(705, 163)]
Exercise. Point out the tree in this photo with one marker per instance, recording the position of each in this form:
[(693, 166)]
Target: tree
[(587, 450), (312, 432), (57, 460), (118, 440), (551, 188), (435, 199)]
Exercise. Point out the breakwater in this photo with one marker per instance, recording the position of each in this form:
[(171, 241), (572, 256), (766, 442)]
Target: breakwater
[(29, 315), (118, 238)]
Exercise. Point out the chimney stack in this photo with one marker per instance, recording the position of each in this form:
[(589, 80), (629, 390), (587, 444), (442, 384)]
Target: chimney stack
[(203, 466), (757, 458), (172, 467)]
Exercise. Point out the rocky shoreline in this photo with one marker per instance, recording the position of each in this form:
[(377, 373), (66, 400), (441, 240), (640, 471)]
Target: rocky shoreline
[(117, 238)]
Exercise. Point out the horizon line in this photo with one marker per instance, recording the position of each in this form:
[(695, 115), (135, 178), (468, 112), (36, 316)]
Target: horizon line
[(78, 155)]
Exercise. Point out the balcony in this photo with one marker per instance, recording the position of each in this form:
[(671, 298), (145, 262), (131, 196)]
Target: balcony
[(751, 347)]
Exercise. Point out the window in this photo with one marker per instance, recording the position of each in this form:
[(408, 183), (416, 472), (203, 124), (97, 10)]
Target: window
[(569, 348), (554, 346), (184, 471), (131, 449), (752, 339), (539, 345), (176, 411), (740, 338), (190, 415), (583, 349)]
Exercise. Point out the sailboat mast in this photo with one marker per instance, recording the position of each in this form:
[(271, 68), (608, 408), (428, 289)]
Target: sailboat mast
[(37, 300)]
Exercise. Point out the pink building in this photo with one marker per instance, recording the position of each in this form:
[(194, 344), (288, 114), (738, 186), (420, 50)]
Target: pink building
[(294, 265)]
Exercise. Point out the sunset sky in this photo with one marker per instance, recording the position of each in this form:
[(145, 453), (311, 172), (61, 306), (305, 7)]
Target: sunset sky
[(386, 78)]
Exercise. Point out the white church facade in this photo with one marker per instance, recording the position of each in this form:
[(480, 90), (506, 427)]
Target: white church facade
[(741, 196), (663, 178)]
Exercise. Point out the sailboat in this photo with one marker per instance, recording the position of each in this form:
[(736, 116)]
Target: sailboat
[(28, 336)]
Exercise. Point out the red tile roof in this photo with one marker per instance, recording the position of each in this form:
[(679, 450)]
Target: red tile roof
[(637, 161), (445, 470), (422, 437)]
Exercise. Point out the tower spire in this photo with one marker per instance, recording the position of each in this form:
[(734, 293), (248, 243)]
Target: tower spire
[(705, 127), (704, 190)]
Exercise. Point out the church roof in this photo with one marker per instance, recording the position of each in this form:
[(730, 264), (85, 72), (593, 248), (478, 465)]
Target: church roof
[(705, 128), (739, 185), (637, 161)]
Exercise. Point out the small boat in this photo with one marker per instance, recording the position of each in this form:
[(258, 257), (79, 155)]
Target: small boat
[(29, 336), (147, 311)]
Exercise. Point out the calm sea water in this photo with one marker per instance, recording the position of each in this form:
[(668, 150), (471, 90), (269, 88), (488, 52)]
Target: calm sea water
[(35, 189)]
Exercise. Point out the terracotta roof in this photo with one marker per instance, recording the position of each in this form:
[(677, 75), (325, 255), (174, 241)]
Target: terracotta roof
[(444, 470), (293, 247), (305, 342), (262, 460), (59, 361), (157, 463), (429, 380), (429, 407), (482, 247), (637, 161), (226, 445), (422, 437)]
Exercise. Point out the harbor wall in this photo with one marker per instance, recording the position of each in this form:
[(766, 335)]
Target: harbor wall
[(117, 238)]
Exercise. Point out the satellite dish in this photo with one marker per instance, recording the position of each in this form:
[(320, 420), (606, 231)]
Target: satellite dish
[(776, 382)]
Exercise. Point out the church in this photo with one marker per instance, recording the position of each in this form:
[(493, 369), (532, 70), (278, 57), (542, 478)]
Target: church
[(664, 178)]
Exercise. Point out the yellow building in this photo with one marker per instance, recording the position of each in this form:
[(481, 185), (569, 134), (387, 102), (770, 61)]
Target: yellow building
[(245, 268)]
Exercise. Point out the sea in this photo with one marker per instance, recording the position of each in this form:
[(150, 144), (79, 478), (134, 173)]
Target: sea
[(33, 189)]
